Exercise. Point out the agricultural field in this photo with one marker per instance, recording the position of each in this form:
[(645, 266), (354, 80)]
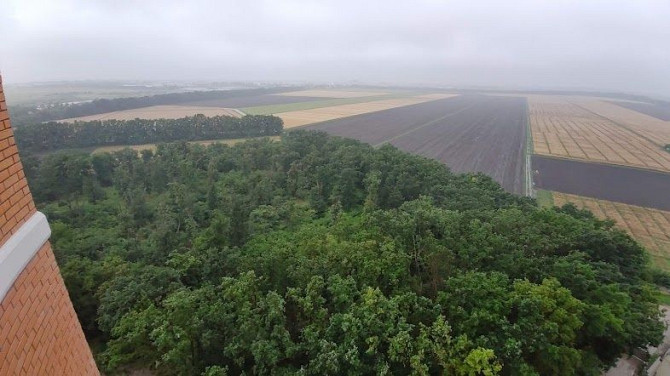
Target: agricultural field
[(468, 133), (160, 112), (251, 101), (273, 109), (659, 111), (317, 115), (634, 186), (577, 128), (333, 93), (650, 227), (645, 126)]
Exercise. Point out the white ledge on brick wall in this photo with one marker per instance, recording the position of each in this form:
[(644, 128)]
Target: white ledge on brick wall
[(17, 252)]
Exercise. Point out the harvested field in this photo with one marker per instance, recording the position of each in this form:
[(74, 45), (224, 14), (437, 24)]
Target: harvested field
[(629, 185), (575, 128), (467, 133), (159, 112), (325, 93), (659, 111), (645, 126), (323, 102), (650, 227), (251, 101), (316, 115)]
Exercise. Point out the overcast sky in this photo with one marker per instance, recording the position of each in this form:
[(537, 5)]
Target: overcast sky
[(611, 45)]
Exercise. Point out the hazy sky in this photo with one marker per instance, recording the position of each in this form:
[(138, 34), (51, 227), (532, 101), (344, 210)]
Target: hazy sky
[(613, 45)]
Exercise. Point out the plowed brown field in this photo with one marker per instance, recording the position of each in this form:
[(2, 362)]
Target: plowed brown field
[(469, 133)]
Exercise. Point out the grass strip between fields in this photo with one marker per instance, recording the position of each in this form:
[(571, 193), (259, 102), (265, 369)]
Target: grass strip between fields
[(528, 153), (544, 198)]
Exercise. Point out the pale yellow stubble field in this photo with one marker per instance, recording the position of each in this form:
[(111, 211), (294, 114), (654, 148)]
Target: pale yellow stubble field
[(298, 118), (650, 227), (567, 127), (649, 127), (160, 112)]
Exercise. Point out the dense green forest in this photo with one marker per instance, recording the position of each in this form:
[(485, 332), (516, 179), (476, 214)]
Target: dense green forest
[(49, 136), (319, 255), (25, 115)]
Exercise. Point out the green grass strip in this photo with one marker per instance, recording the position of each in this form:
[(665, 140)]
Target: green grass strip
[(544, 198)]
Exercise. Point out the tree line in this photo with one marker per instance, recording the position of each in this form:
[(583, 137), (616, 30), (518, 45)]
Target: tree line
[(24, 115), (319, 255), (52, 135)]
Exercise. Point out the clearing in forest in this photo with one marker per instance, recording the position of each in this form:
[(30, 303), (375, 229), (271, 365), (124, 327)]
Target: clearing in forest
[(650, 227)]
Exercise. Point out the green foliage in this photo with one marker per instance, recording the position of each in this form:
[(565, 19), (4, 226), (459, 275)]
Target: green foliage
[(318, 255), (40, 137)]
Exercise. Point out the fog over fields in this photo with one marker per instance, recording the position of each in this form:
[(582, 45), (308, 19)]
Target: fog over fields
[(615, 45)]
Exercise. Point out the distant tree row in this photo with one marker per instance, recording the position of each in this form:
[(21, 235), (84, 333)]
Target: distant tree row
[(52, 135), (22, 115)]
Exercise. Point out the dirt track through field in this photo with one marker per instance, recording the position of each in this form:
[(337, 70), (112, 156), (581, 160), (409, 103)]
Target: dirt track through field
[(468, 133), (628, 185)]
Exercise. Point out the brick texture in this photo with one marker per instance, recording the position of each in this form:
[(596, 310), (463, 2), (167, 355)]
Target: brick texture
[(39, 330), (16, 203)]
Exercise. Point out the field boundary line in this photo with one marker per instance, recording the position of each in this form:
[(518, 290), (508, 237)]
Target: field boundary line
[(421, 126)]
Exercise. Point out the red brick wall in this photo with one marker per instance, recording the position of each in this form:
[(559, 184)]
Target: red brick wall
[(39, 330), (16, 203)]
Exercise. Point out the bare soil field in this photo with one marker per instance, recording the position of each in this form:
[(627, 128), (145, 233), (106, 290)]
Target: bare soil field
[(659, 111), (316, 115), (576, 128), (468, 133), (629, 185), (651, 227), (159, 112), (326, 93), (251, 101)]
